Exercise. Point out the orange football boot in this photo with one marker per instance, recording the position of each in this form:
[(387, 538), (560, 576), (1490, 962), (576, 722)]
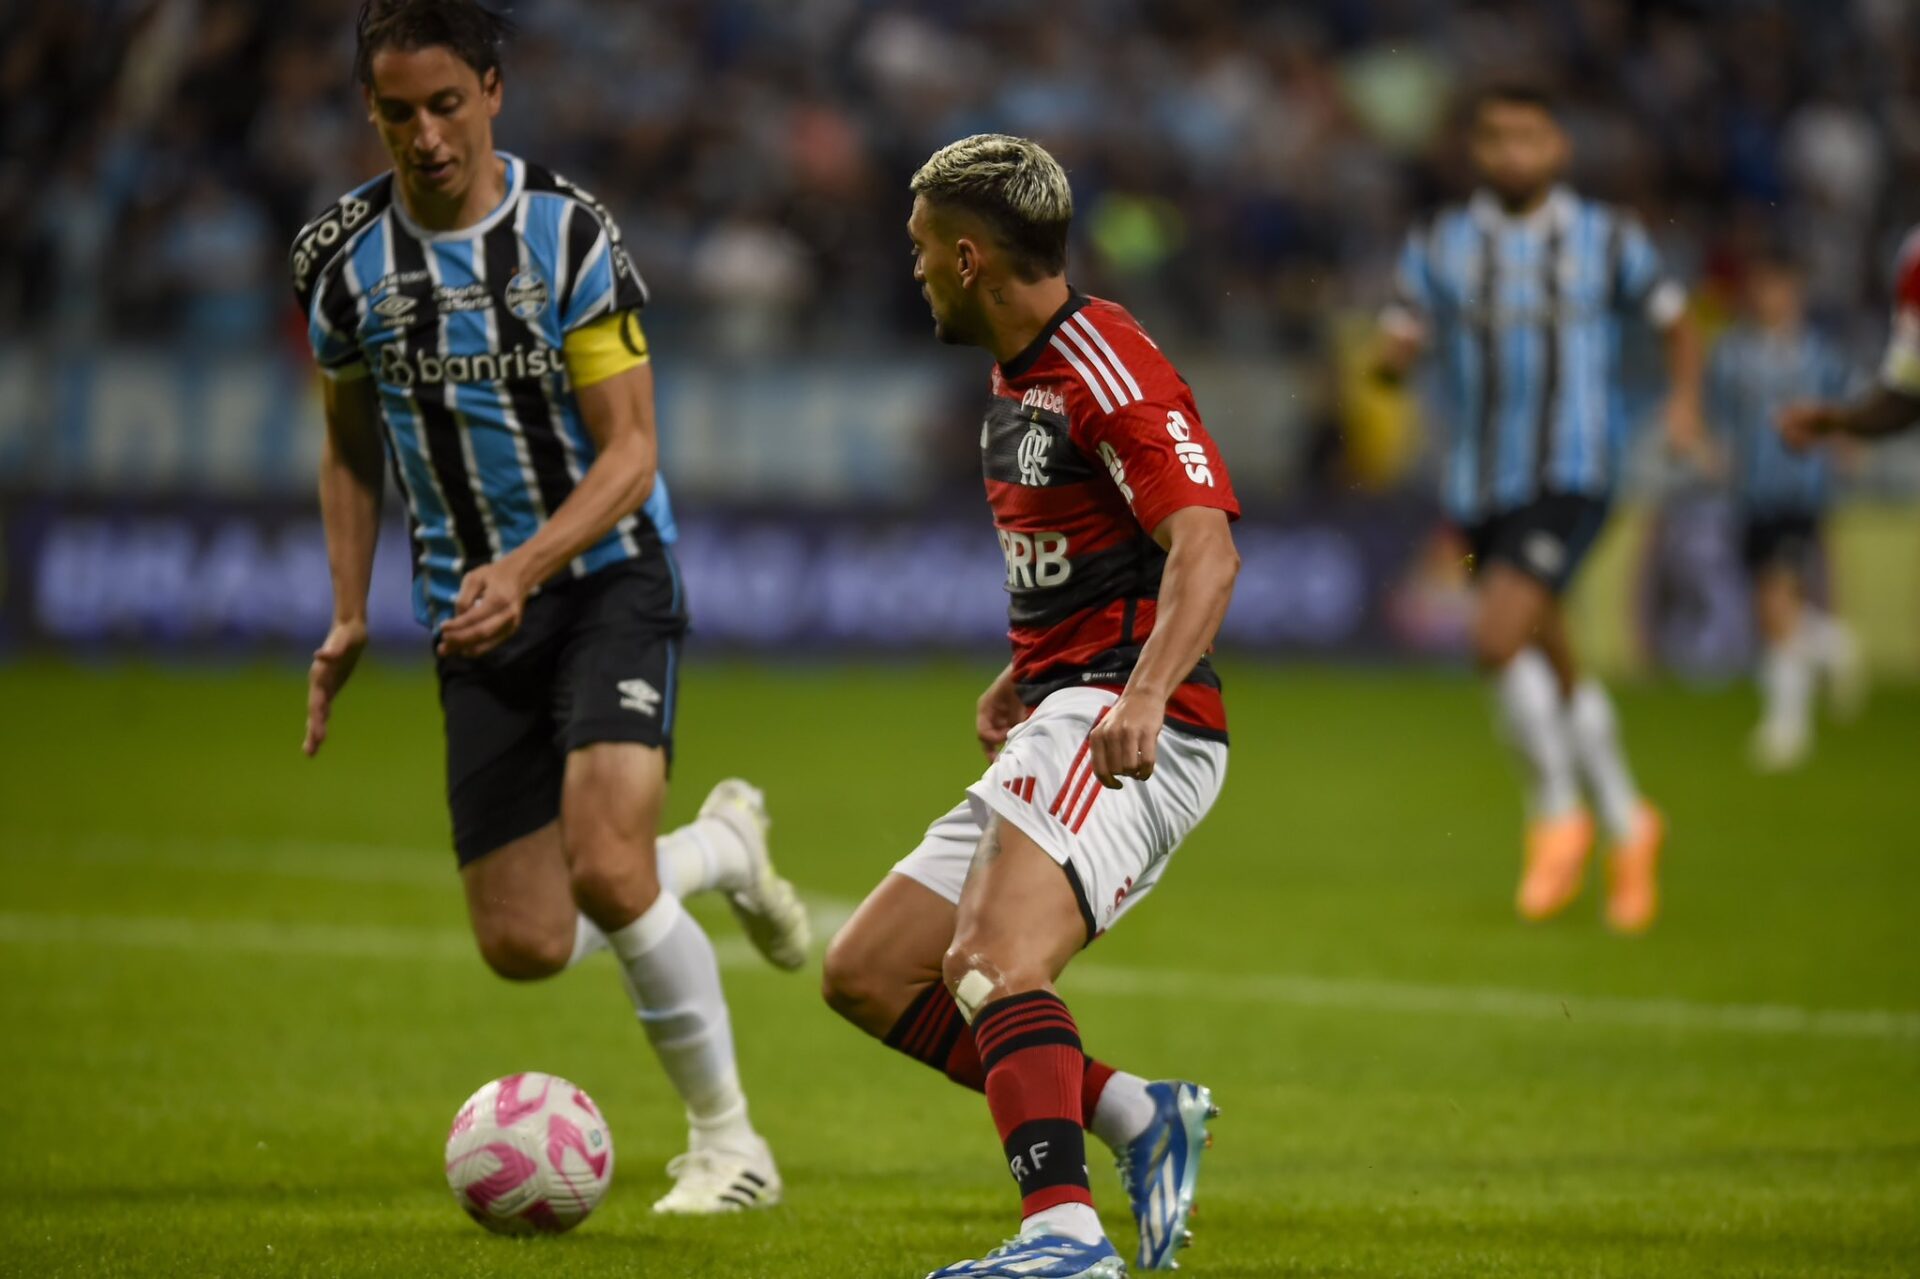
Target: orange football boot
[(1557, 850), (1633, 873)]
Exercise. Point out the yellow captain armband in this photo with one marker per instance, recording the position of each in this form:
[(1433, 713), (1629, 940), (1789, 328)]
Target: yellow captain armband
[(598, 351)]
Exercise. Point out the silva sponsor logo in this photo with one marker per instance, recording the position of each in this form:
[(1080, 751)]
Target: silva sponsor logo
[(1044, 398), (1117, 469), (526, 295), (1192, 455), (425, 368), (1032, 456), (638, 695), (338, 223), (1035, 560)]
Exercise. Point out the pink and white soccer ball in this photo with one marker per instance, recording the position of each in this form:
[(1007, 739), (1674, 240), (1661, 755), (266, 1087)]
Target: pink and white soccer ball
[(529, 1155)]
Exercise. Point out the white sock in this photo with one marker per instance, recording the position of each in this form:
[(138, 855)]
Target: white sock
[(587, 939), (1786, 686), (1076, 1221), (701, 856), (1596, 742), (674, 981), (1535, 723), (1124, 1110), (1823, 638)]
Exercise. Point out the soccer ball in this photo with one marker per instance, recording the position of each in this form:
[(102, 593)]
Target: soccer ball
[(529, 1155)]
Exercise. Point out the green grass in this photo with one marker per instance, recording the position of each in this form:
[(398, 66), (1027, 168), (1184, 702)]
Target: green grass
[(238, 1009)]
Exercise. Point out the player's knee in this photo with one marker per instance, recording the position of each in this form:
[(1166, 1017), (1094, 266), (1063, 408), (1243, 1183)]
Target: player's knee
[(611, 881), (848, 981), (523, 954), (976, 975), (1494, 645)]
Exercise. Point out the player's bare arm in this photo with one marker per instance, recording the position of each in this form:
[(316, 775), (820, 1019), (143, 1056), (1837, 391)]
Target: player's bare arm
[(1399, 342), (351, 474), (999, 712), (1194, 592), (1884, 411), (1686, 422), (619, 417)]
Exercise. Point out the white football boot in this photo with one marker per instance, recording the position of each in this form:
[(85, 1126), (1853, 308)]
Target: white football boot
[(1778, 746), (769, 910), (707, 1182)]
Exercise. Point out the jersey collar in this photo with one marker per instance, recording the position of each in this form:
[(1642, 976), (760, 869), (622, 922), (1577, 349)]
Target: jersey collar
[(516, 180), (1552, 213), (1021, 363)]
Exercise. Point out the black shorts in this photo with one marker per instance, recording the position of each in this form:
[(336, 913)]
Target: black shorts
[(1547, 538), (595, 660), (1780, 541)]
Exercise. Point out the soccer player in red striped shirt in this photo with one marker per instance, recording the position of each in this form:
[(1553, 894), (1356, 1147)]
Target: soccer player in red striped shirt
[(1107, 734), (1894, 404)]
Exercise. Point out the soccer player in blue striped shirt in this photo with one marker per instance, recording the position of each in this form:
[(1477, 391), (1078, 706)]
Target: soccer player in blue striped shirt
[(1520, 295), (1771, 359), (477, 319)]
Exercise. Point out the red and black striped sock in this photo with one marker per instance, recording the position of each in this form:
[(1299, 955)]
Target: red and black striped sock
[(933, 1031), (1031, 1050)]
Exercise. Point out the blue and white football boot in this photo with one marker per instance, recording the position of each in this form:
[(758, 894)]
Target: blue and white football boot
[(1041, 1257), (1160, 1170)]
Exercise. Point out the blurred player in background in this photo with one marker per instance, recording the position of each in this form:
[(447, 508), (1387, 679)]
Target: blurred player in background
[(1894, 404), (1520, 295), (477, 319), (1772, 358), (1107, 734)]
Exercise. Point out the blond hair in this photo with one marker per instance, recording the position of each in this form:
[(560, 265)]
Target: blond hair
[(1015, 185)]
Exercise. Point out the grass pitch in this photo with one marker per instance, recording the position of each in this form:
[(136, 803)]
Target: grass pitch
[(238, 1006)]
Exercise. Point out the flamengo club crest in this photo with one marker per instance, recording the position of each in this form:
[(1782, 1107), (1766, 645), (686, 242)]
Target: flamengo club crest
[(526, 295), (1033, 456)]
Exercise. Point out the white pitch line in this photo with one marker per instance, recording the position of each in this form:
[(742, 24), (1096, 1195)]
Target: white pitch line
[(1367, 995), (380, 942)]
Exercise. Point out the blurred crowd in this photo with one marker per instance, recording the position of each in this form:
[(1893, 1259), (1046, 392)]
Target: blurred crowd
[(1241, 167)]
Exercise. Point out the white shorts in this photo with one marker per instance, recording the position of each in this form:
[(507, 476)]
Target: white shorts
[(1113, 844)]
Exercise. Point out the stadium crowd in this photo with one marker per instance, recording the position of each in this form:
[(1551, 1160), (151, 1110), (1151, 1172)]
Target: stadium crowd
[(1240, 166)]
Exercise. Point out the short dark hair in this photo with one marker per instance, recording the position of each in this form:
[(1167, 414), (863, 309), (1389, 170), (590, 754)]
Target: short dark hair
[(470, 30), (1516, 93), (1012, 185)]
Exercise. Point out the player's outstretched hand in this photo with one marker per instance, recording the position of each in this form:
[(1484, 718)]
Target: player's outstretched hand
[(333, 662), (1126, 742), (487, 611), (998, 713), (1802, 425)]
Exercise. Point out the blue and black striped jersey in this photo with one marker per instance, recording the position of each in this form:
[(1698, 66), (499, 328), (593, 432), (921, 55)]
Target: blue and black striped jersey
[(462, 333), (1751, 376), (1524, 316)]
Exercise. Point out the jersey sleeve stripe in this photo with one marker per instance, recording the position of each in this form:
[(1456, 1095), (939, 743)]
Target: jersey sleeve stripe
[(593, 288), (1120, 396), (1086, 374), (1119, 365)]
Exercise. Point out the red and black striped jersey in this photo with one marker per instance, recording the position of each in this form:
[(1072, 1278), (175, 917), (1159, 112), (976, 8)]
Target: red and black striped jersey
[(1900, 371), (1091, 441)]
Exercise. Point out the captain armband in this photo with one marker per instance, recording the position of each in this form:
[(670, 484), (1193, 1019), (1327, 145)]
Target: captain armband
[(605, 348)]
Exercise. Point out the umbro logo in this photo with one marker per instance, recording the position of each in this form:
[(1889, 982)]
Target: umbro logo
[(638, 695), (395, 305)]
